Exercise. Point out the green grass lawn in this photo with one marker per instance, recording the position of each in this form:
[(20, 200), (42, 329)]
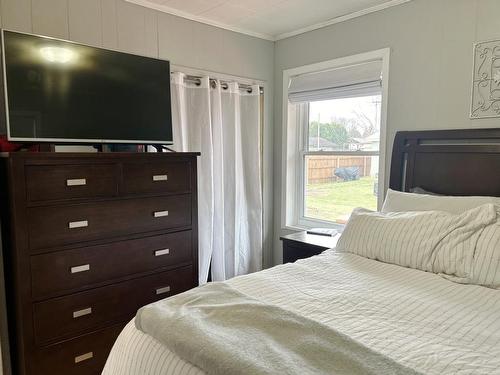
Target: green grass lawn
[(334, 201)]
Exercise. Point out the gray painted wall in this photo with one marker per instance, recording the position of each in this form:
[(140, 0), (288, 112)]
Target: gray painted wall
[(430, 69), (119, 25), (430, 72)]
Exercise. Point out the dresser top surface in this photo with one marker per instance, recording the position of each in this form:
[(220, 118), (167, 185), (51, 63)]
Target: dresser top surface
[(97, 155), (56, 155)]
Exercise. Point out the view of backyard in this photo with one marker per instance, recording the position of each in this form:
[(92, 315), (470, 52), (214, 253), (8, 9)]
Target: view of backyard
[(334, 201), (341, 162)]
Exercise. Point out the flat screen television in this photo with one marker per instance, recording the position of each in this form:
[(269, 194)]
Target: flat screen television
[(63, 92)]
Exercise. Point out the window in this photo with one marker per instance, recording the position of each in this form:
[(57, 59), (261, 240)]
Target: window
[(340, 157), (334, 129)]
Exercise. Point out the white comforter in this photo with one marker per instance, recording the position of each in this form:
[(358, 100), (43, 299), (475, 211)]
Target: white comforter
[(419, 319)]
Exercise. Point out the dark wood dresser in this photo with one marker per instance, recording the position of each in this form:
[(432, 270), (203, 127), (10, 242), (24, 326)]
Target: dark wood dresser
[(87, 240)]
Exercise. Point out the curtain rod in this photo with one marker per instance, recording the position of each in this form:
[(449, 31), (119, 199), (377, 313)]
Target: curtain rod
[(213, 83)]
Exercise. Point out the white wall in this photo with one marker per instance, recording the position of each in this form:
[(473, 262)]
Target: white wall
[(430, 69)]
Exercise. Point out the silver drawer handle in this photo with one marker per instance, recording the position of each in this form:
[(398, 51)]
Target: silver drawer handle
[(78, 224), (82, 268), (84, 357), (159, 253), (76, 182), (160, 213), (83, 312), (160, 177), (163, 290)]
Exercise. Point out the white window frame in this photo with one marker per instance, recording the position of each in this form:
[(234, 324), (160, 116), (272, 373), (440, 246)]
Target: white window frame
[(293, 153)]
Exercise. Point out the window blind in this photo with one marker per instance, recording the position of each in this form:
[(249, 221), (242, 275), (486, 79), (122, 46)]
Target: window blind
[(349, 81)]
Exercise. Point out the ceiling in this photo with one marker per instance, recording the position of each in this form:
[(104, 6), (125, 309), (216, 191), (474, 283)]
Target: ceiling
[(269, 19)]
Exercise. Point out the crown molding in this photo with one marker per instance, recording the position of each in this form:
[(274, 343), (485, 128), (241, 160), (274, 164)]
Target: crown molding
[(192, 17), (273, 38), (346, 17)]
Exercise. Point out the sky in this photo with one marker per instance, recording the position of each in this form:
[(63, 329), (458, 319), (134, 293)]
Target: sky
[(328, 110)]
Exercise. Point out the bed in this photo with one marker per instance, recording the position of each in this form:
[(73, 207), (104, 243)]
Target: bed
[(416, 318)]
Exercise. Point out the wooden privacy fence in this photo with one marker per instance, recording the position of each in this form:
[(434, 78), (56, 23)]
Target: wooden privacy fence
[(320, 169)]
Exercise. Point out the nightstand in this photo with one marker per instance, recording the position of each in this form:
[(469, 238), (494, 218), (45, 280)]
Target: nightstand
[(303, 245)]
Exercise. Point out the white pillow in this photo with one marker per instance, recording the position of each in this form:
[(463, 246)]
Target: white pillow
[(396, 201), (486, 263), (432, 241)]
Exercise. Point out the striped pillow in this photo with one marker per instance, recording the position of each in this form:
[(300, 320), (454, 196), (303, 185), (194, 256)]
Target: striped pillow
[(486, 264), (432, 241)]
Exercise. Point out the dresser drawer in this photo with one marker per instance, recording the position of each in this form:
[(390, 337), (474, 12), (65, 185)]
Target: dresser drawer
[(156, 177), (59, 182), (72, 269), (65, 317), (81, 356), (61, 225)]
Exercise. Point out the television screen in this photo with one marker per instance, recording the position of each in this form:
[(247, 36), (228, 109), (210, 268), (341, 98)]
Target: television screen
[(59, 91)]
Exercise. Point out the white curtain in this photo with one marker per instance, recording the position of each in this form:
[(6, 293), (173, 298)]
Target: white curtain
[(224, 125)]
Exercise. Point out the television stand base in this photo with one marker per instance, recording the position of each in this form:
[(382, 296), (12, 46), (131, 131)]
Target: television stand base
[(47, 147), (160, 148)]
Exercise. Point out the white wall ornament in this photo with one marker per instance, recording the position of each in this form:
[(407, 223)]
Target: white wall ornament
[(486, 80)]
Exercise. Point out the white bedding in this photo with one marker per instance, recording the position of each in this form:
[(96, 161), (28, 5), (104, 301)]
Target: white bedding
[(419, 319)]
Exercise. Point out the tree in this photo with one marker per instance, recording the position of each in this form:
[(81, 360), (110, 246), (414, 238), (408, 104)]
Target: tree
[(367, 124), (333, 132), (351, 125)]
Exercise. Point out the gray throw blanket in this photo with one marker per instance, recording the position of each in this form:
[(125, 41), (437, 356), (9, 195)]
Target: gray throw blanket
[(223, 331)]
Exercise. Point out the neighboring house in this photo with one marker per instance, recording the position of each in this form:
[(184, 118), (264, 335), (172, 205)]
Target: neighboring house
[(369, 143), (321, 144), (354, 144)]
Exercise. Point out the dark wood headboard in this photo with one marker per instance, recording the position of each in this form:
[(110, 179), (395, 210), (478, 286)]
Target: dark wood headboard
[(450, 162)]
